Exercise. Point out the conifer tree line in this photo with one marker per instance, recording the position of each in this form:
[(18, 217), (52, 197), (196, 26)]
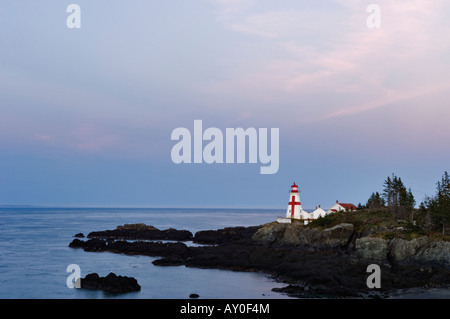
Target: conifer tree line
[(438, 206), (433, 212), (394, 196)]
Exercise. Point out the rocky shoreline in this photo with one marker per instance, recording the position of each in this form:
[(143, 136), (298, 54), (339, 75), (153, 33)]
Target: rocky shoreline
[(312, 262)]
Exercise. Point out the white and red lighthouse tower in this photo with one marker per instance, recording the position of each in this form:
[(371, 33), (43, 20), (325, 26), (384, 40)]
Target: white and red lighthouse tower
[(294, 209)]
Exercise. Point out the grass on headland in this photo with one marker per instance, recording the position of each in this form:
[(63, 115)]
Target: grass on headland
[(380, 223)]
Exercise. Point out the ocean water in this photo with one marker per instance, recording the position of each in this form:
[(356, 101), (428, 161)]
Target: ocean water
[(34, 254)]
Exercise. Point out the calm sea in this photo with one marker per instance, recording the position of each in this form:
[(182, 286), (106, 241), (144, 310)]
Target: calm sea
[(34, 253)]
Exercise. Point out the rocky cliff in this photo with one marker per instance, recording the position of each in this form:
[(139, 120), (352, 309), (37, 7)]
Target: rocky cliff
[(421, 251)]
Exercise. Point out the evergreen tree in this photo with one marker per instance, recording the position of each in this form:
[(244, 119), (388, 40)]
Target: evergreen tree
[(410, 200), (398, 188), (440, 204), (396, 196), (375, 201), (388, 191), (406, 198), (391, 193)]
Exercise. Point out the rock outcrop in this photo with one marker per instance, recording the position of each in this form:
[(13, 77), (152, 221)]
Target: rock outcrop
[(133, 248), (420, 251), (110, 283), (371, 249), (225, 235), (298, 235), (366, 247), (142, 232)]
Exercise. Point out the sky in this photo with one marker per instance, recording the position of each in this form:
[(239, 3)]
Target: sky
[(86, 114)]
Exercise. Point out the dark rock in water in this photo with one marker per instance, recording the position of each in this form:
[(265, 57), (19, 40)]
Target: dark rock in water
[(79, 235), (90, 245), (76, 243), (160, 249), (194, 296), (225, 235), (110, 283), (169, 261), (142, 231), (179, 250), (318, 292)]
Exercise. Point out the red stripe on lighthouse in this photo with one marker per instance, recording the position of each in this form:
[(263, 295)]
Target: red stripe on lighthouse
[(293, 203)]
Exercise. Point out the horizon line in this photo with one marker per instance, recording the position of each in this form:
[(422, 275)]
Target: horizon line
[(129, 206)]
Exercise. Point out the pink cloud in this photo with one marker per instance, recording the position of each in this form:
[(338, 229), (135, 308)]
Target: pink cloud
[(367, 68), (390, 98)]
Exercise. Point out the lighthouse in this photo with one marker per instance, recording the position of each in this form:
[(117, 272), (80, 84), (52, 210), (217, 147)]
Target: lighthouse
[(294, 207)]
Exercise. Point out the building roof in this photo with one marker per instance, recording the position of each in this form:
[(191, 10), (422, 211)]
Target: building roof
[(348, 206)]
